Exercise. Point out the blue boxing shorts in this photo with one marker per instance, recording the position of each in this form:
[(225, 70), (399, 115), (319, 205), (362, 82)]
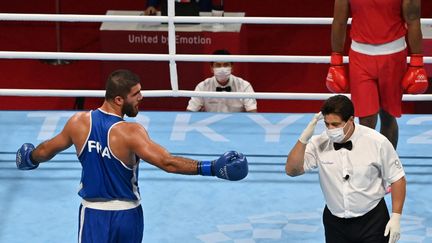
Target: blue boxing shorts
[(110, 221)]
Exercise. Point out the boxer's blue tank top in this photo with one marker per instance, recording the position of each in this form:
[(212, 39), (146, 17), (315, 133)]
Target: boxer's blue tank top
[(103, 175)]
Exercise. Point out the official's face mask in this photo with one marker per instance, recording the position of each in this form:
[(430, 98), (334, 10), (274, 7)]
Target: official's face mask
[(222, 73), (336, 135)]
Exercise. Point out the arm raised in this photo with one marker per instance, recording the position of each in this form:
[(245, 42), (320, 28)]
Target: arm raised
[(230, 166)]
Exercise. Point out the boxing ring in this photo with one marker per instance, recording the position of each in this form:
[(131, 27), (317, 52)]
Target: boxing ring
[(267, 206)]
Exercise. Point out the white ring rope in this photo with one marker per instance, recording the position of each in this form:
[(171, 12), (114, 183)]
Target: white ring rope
[(164, 19), (168, 57), (172, 57), (188, 93), (161, 19)]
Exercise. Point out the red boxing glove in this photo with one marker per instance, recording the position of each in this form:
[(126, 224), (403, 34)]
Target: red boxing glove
[(337, 81), (415, 80)]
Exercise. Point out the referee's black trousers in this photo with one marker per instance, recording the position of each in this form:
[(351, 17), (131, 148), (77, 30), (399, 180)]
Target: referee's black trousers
[(368, 228)]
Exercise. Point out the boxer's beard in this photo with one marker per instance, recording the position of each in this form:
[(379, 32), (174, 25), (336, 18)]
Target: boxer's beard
[(129, 110)]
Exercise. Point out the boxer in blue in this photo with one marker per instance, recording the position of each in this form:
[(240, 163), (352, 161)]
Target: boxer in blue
[(109, 149)]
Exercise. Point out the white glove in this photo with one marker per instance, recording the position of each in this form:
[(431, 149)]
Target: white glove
[(309, 130), (393, 227)]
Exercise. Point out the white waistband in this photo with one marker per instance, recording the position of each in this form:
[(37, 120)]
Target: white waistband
[(382, 49), (111, 205)]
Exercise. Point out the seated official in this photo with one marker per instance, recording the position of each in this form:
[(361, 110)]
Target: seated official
[(152, 5), (223, 81)]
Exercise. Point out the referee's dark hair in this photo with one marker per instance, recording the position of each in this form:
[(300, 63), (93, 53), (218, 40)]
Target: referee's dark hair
[(119, 83), (221, 52), (340, 105)]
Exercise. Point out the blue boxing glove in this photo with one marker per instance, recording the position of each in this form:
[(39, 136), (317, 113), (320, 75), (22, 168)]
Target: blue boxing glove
[(231, 166), (23, 158)]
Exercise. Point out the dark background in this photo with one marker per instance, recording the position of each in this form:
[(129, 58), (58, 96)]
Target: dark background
[(266, 39)]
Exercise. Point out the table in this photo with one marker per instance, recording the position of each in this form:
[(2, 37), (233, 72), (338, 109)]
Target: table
[(153, 37)]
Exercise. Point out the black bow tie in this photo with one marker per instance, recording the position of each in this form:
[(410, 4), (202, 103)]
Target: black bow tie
[(220, 89), (347, 145)]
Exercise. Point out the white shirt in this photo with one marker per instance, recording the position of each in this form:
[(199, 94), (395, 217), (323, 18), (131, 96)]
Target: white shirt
[(371, 165), (222, 104)]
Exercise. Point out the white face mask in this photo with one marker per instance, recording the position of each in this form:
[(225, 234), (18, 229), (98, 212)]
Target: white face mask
[(336, 135), (222, 73)]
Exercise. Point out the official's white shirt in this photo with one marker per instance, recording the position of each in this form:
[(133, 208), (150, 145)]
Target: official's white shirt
[(221, 104), (371, 165)]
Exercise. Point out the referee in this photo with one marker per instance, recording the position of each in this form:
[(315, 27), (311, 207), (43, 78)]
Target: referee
[(355, 163)]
